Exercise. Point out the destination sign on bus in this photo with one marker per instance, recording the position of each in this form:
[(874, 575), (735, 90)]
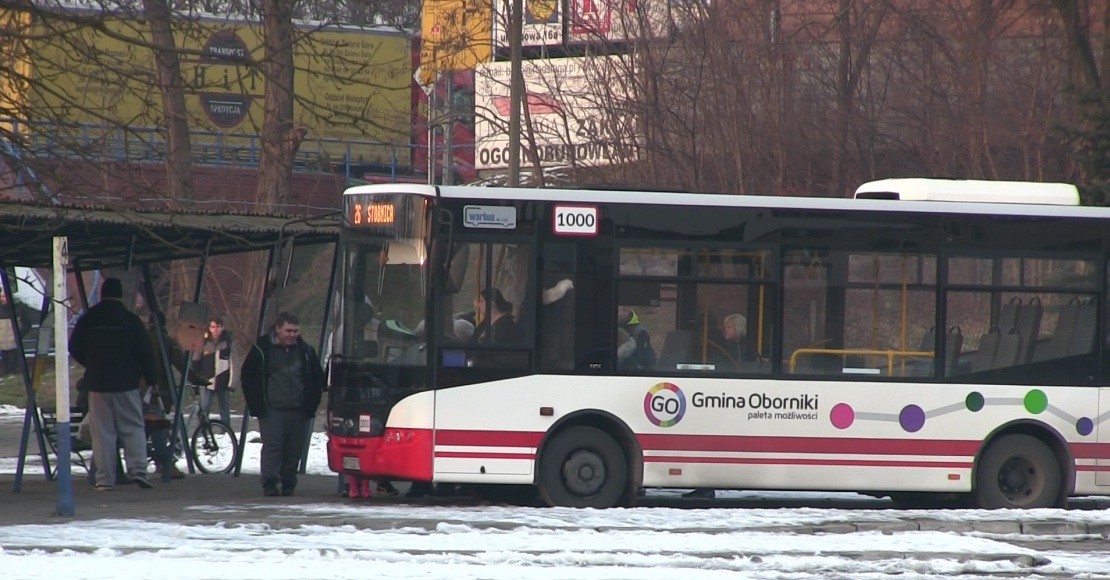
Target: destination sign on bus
[(370, 213)]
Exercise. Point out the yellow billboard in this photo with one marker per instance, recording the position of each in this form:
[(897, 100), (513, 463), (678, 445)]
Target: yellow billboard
[(350, 83), (455, 35)]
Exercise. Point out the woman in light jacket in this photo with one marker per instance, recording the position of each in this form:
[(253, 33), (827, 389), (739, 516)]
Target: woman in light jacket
[(217, 360)]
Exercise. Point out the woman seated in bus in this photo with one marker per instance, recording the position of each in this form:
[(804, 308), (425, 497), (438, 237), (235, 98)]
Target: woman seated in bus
[(735, 330), (499, 326)]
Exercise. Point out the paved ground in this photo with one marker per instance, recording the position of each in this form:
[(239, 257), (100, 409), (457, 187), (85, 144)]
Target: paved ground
[(210, 499)]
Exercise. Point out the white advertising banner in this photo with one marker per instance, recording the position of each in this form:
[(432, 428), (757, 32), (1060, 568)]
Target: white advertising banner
[(542, 26), (577, 112), (618, 20)]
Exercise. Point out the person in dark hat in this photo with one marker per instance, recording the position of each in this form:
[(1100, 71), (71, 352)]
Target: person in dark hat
[(112, 344)]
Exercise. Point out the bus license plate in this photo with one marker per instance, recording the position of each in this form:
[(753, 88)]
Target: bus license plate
[(351, 463)]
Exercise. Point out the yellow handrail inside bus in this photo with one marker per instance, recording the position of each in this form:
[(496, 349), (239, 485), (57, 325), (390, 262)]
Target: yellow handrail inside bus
[(890, 355)]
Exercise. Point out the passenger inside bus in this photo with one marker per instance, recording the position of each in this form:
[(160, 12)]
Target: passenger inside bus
[(643, 357), (626, 346), (556, 340), (498, 325), (735, 343)]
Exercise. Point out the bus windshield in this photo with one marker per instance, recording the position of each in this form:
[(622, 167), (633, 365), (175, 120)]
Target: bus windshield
[(384, 300)]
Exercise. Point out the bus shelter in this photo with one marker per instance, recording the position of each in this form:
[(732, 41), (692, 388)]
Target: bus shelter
[(102, 238)]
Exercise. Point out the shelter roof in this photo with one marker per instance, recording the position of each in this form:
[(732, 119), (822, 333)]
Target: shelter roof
[(105, 237)]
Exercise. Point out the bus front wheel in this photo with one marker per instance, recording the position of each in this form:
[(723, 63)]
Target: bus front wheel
[(582, 467), (1018, 471)]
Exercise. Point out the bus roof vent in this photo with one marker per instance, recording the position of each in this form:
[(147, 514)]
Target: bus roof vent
[(922, 189)]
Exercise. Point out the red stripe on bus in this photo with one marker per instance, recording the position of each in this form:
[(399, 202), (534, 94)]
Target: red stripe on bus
[(488, 438), (840, 445), (749, 444), (466, 455), (1090, 450), (804, 461), (761, 444)]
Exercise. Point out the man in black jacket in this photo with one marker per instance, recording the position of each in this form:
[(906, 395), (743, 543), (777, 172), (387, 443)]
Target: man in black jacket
[(111, 343), (282, 383)]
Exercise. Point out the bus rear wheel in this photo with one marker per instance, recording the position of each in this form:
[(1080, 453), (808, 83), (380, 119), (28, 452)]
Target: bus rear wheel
[(582, 467), (1018, 471)]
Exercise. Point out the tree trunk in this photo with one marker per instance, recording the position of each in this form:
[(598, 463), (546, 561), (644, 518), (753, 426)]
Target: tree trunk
[(179, 158), (280, 138)]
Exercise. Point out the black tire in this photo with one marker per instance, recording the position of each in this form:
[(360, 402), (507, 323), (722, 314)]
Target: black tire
[(1018, 471), (214, 447), (582, 467)]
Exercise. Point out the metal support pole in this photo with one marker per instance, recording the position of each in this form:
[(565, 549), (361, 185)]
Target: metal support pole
[(429, 117), (163, 348), (64, 496), (190, 461), (516, 90), (261, 324), (320, 351), (81, 286), (31, 415)]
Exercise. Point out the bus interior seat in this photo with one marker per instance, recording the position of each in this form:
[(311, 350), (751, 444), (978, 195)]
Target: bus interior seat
[(953, 346), (1009, 348), (983, 359), (1059, 343), (1028, 325), (1008, 316), (1083, 338), (677, 346)]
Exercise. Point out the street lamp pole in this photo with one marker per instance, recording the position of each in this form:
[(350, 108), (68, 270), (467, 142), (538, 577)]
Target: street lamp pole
[(516, 89)]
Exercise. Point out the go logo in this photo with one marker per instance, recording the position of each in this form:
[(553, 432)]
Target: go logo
[(665, 404)]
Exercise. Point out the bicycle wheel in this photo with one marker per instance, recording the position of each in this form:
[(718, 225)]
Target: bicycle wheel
[(214, 447)]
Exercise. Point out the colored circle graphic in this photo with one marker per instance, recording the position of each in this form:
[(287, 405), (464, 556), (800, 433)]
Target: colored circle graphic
[(912, 418), (974, 402), (1084, 426), (665, 404), (1036, 401), (842, 415)]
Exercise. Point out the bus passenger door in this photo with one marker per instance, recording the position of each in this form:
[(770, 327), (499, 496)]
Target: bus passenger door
[(1102, 462)]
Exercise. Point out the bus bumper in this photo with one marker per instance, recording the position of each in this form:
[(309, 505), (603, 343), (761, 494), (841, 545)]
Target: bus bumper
[(397, 454)]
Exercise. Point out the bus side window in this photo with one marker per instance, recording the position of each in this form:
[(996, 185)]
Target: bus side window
[(493, 295), (556, 336)]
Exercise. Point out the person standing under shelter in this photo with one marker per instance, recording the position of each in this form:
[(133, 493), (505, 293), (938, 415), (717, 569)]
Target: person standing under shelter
[(217, 360), (282, 383), (112, 344)]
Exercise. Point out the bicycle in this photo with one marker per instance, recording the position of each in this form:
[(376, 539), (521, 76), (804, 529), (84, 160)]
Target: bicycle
[(214, 445)]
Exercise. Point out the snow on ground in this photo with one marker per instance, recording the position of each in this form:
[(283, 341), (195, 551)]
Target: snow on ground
[(498, 542)]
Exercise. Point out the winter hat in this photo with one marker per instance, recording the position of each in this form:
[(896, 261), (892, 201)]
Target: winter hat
[(112, 288)]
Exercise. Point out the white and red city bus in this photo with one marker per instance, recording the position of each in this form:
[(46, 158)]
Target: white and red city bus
[(898, 345)]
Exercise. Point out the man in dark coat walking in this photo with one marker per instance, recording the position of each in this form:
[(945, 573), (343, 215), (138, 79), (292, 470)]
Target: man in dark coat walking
[(111, 343), (282, 384)]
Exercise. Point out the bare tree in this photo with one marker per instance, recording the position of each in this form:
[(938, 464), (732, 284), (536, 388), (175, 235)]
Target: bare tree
[(179, 154)]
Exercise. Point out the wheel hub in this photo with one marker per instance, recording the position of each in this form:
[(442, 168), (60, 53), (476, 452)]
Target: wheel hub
[(1019, 480), (584, 473)]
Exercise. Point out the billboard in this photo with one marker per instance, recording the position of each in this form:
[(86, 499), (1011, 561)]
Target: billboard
[(455, 35), (351, 84), (542, 24), (577, 111), (618, 20)]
